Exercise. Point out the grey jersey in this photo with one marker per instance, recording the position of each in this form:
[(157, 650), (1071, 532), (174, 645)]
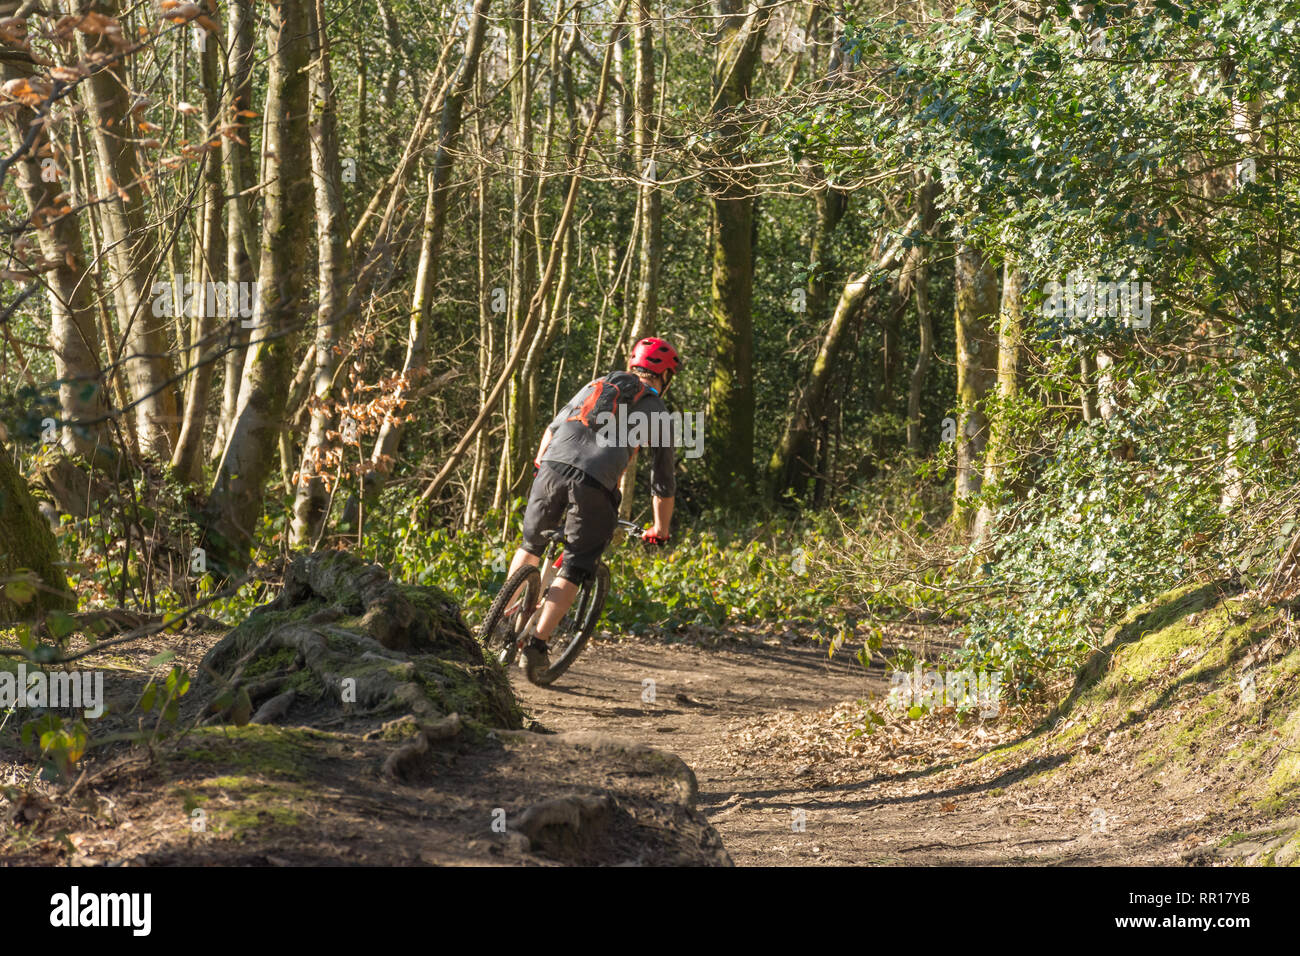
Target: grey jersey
[(604, 449)]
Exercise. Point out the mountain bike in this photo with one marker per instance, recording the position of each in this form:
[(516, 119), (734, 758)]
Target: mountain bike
[(512, 620)]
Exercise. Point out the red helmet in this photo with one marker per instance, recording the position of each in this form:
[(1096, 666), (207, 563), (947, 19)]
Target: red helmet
[(655, 355)]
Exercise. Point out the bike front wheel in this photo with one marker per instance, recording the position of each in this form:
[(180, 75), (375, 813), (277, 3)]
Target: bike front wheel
[(577, 626), (510, 613)]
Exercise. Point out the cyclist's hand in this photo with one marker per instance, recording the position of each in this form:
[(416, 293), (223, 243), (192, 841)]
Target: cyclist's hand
[(654, 540)]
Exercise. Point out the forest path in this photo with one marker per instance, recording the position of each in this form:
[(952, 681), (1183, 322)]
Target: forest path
[(758, 724)]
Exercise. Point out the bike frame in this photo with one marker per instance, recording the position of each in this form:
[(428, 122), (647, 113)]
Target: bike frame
[(550, 569)]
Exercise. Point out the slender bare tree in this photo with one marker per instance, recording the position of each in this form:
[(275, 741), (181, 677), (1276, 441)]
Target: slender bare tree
[(237, 493)]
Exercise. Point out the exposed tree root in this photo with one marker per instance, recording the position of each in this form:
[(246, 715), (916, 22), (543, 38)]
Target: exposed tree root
[(344, 641), (404, 758)]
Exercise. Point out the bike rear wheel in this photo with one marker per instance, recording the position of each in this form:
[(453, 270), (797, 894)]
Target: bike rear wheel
[(574, 630), (509, 614)]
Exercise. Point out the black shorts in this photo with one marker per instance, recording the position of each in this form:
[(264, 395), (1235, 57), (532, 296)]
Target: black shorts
[(592, 516)]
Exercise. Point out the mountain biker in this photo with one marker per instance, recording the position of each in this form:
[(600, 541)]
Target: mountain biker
[(579, 467)]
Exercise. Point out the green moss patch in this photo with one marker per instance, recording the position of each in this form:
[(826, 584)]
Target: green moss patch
[(1205, 680)]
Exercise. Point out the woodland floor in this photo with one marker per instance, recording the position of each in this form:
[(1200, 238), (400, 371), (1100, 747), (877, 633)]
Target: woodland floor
[(762, 716)]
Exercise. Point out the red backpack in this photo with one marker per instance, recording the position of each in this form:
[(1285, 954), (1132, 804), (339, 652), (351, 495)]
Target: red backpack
[(607, 394)]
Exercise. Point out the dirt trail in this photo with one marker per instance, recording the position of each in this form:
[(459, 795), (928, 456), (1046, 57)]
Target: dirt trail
[(716, 707), (764, 722), (701, 697)]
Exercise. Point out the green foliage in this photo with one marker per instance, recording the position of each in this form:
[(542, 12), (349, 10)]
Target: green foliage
[(1106, 146), (727, 572), (748, 574), (164, 698), (1122, 509), (60, 744)]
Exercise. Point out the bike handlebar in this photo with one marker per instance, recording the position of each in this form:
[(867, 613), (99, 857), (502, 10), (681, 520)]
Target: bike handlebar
[(633, 530), (642, 534)]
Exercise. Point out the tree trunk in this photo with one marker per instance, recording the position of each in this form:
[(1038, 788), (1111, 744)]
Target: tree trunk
[(645, 141), (538, 301), (204, 347), (82, 181), (518, 431), (1087, 396), (925, 349), (311, 498), (478, 470), (731, 393), (976, 293), (26, 543), (795, 459), (133, 255), (915, 275), (1010, 348), (435, 225), (74, 335), (627, 213), (236, 500), (241, 222), (528, 409), (1246, 131), (645, 134)]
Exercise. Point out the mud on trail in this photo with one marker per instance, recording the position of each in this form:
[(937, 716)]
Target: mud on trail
[(765, 723)]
